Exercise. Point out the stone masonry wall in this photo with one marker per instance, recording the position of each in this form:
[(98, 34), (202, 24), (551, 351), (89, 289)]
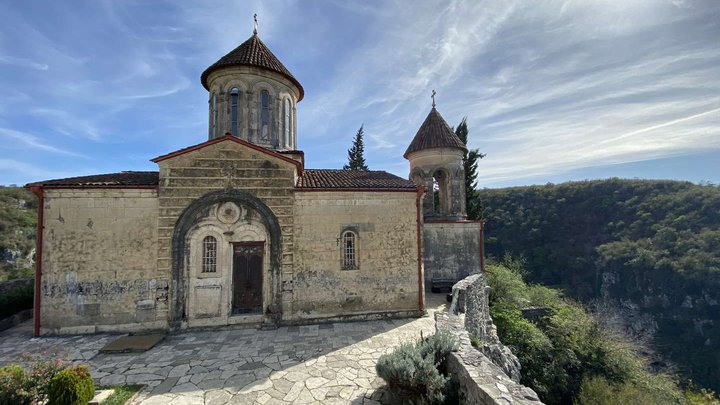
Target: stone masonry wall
[(452, 250), (488, 375), (99, 261), (226, 165), (386, 225)]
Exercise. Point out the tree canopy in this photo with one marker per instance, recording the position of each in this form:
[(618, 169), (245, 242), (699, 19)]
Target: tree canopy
[(470, 163), (649, 245), (356, 159)]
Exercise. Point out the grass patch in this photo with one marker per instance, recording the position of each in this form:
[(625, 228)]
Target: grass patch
[(122, 394)]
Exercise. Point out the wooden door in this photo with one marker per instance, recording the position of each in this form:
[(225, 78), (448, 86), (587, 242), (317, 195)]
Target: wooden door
[(247, 277)]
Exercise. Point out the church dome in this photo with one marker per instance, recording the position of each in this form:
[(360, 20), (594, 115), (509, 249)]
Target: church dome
[(252, 52), (434, 133)]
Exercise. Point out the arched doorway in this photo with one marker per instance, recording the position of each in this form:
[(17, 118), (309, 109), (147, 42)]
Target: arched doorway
[(226, 262)]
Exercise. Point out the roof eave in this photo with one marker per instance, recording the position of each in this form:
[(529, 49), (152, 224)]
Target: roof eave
[(232, 139), (204, 77), (409, 152)]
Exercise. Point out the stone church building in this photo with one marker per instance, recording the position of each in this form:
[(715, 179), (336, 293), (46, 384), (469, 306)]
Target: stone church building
[(236, 230)]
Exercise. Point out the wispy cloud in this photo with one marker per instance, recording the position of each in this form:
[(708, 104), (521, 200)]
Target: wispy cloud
[(548, 87), (20, 62), (18, 171), (14, 138)]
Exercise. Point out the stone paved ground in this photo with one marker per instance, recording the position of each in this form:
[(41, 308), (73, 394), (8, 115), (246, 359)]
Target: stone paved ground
[(313, 364)]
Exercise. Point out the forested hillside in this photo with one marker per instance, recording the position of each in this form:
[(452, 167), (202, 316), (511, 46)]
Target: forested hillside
[(647, 250), (18, 221)]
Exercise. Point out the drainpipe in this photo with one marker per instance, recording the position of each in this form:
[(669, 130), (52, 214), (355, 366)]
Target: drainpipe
[(418, 206), (38, 191), (482, 246)]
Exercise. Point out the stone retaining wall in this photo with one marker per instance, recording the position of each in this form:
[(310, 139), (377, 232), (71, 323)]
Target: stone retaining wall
[(8, 286), (16, 319), (488, 375)]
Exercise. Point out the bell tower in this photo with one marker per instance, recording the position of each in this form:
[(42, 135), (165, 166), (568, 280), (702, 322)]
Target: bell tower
[(253, 96), (436, 162)]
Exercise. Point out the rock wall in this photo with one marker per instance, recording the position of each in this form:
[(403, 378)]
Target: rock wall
[(490, 374)]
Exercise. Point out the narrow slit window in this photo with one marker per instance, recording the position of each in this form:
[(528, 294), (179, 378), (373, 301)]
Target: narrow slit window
[(209, 264), (287, 124), (264, 115), (349, 246), (214, 116), (234, 115)]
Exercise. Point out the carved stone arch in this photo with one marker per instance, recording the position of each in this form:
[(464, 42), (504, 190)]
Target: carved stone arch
[(195, 213), (261, 85), (232, 83), (418, 173), (444, 181)]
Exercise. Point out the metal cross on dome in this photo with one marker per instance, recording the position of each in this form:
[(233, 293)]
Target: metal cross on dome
[(433, 97), (255, 25)]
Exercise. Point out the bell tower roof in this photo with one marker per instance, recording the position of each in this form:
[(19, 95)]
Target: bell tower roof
[(434, 133), (252, 52)]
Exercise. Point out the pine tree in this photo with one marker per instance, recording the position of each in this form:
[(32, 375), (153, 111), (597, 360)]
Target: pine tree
[(470, 162), (356, 160)]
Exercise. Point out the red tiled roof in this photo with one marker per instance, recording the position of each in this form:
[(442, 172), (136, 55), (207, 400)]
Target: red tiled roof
[(434, 133), (352, 179), (252, 52), (121, 179)]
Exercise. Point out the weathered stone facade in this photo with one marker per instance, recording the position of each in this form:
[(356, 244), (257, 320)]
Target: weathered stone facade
[(99, 263), (247, 84), (452, 250), (387, 273), (217, 167)]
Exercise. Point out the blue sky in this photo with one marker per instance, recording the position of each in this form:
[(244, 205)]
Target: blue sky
[(553, 90)]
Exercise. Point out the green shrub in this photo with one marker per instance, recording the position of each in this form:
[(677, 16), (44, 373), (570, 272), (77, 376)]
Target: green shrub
[(540, 371), (14, 386), (15, 301), (412, 378), (567, 345), (412, 371), (507, 287), (41, 373), (121, 394), (71, 386), (438, 346), (598, 391)]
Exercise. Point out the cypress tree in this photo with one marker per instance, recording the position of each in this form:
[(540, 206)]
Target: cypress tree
[(356, 160), (470, 162)]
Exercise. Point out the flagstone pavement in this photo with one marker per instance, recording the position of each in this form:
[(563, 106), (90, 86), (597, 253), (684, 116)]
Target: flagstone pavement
[(332, 363)]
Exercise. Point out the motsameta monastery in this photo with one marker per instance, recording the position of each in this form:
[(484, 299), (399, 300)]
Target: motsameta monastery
[(236, 230)]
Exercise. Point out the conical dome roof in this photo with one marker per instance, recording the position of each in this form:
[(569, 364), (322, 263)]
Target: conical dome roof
[(434, 133), (252, 52)]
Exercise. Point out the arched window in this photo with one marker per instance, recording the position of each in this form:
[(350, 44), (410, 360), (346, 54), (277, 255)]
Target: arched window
[(349, 251), (213, 116), (209, 263), (264, 115), (287, 131), (234, 113), (440, 192)]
